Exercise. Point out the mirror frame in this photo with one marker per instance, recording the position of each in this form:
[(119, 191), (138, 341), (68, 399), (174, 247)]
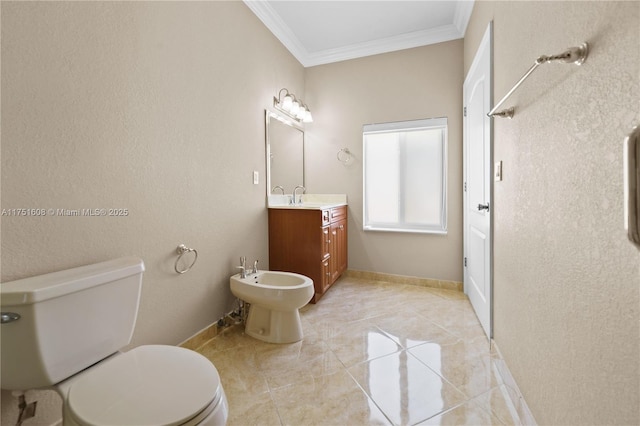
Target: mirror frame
[(272, 113)]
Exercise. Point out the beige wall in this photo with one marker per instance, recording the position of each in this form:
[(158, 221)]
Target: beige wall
[(566, 280), (124, 105), (156, 107), (424, 82)]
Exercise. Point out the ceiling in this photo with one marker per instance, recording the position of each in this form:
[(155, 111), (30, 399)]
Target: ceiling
[(320, 32)]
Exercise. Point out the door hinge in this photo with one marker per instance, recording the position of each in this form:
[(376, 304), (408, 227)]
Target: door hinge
[(464, 111), (465, 187), (465, 262)]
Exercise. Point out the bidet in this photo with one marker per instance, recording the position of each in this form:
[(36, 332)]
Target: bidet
[(275, 298)]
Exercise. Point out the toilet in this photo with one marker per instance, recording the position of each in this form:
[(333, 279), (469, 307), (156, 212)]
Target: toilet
[(275, 298), (65, 330)]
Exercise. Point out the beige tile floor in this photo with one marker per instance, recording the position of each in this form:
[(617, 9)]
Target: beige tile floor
[(374, 353)]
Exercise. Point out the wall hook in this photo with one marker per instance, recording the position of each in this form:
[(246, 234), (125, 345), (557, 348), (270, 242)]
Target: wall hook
[(345, 156)]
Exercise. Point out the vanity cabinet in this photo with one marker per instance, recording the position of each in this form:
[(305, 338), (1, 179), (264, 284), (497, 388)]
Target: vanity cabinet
[(311, 242)]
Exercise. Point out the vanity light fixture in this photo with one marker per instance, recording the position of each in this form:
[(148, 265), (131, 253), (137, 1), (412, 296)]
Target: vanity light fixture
[(292, 106)]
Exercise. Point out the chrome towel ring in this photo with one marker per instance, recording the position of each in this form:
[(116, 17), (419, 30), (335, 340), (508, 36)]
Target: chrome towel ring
[(181, 250)]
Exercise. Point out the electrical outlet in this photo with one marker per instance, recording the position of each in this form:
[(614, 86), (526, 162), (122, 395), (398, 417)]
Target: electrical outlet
[(256, 177)]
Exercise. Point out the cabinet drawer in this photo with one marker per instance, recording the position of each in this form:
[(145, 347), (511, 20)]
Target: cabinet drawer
[(338, 213)]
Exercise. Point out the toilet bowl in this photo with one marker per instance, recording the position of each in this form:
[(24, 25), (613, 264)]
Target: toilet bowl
[(275, 298), (64, 330)]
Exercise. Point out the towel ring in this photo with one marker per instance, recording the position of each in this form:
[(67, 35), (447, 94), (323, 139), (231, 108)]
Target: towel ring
[(344, 156), (181, 250)]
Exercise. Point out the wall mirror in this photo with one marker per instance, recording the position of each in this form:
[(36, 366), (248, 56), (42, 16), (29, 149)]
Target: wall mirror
[(285, 153)]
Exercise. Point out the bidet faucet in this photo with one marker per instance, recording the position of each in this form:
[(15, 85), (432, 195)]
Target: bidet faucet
[(242, 267), (304, 190)]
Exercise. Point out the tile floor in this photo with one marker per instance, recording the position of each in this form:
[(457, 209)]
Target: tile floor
[(374, 353)]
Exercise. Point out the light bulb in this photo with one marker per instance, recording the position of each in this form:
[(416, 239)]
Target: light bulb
[(295, 107), (301, 113), (307, 117), (286, 103)]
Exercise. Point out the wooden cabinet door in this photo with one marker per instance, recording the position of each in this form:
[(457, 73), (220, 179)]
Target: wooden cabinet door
[(297, 244), (341, 247), (309, 242), (326, 275), (326, 242), (338, 249)]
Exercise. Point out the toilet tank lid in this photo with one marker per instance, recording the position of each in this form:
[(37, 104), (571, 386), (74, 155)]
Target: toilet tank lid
[(55, 284)]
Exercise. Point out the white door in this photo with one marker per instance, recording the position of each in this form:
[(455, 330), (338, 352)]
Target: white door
[(477, 175)]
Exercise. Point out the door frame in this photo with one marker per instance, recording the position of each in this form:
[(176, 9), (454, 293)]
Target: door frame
[(487, 40)]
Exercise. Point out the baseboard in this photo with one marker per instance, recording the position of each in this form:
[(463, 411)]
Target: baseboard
[(402, 279), (208, 333), (517, 400), (201, 337)]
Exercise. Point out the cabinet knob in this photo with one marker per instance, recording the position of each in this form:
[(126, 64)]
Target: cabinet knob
[(328, 241), (341, 226)]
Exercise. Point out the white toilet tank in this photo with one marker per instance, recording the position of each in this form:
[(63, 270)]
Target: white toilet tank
[(68, 320)]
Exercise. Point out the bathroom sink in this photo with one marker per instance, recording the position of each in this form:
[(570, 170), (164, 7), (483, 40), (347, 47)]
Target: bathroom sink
[(309, 201), (310, 206)]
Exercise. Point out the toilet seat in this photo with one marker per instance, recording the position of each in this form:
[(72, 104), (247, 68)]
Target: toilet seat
[(149, 385)]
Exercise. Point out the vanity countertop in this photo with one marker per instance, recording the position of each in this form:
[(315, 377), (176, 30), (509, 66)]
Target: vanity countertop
[(308, 206), (309, 202)]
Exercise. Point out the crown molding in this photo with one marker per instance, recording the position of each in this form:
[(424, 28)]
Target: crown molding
[(277, 26), (385, 45), (462, 15)]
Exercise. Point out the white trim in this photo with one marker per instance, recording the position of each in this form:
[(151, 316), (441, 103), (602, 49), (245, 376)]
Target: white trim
[(428, 123), (485, 48), (275, 24), (384, 45), (519, 403), (487, 43), (462, 15)]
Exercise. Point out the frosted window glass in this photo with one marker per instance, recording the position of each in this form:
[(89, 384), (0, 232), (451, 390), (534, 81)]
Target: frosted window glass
[(405, 176)]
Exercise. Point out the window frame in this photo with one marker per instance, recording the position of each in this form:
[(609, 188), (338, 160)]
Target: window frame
[(399, 126)]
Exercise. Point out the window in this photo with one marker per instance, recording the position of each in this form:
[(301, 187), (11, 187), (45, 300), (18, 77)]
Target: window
[(405, 169)]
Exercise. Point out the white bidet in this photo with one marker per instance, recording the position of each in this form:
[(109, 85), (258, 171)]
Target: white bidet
[(275, 298)]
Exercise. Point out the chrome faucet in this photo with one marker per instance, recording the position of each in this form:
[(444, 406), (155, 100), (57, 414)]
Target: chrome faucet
[(242, 267), (304, 190), (278, 187), (255, 267)]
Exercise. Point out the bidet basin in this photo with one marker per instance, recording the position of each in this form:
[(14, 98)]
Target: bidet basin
[(275, 278), (277, 290)]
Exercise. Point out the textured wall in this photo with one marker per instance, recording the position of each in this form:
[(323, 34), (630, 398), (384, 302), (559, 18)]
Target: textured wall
[(566, 280), (411, 84), (126, 105)]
